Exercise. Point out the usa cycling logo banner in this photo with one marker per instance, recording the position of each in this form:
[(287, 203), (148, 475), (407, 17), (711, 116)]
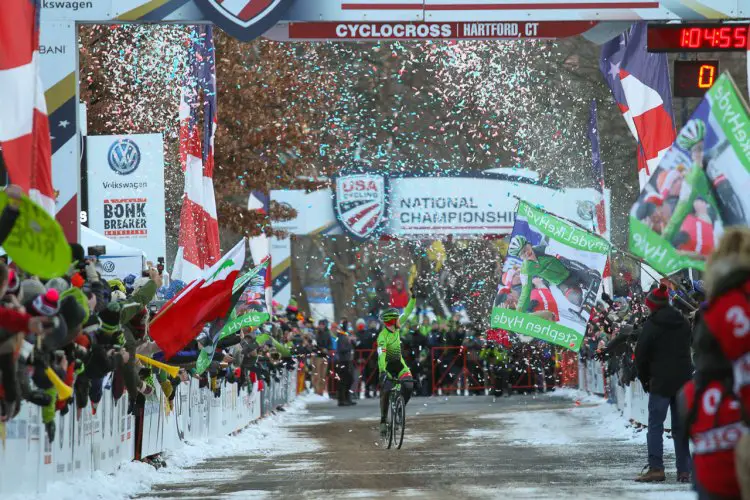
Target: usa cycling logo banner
[(244, 19), (361, 203)]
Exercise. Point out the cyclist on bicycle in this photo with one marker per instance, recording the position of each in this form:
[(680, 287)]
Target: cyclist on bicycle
[(390, 361)]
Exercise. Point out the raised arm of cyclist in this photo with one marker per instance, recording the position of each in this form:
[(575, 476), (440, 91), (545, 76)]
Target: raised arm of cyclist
[(390, 361)]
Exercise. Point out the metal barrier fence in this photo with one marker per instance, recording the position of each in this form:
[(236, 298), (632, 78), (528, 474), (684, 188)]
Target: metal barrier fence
[(630, 399), (454, 369)]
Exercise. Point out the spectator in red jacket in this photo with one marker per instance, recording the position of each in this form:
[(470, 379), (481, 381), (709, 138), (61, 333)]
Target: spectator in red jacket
[(398, 296)]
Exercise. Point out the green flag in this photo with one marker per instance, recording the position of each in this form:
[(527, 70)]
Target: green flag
[(699, 187), (249, 286), (550, 280)]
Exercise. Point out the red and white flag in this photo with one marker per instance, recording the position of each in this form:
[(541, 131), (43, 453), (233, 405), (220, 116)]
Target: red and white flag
[(199, 229), (24, 127), (204, 300)]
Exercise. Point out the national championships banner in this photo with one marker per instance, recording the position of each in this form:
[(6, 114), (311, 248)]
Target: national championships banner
[(550, 278), (700, 187)]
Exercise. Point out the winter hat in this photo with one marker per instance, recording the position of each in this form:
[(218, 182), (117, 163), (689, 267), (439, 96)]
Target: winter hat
[(128, 281), (14, 283), (117, 284), (47, 303), (77, 280), (30, 288), (58, 284), (80, 297), (657, 298), (77, 252), (292, 307), (72, 313), (110, 317), (118, 296)]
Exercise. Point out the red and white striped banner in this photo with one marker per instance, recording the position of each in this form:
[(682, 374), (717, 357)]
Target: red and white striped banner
[(199, 229), (24, 127)]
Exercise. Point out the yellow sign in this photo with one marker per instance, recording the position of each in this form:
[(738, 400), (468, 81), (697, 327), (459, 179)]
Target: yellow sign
[(36, 242)]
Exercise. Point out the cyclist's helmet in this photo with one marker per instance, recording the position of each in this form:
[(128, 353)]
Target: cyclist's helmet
[(693, 133), (390, 315), (516, 245)]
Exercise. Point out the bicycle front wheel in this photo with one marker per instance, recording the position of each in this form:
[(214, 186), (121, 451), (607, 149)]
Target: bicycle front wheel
[(399, 422)]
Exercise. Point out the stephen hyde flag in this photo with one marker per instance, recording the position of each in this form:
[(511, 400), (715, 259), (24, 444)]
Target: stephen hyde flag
[(203, 300)]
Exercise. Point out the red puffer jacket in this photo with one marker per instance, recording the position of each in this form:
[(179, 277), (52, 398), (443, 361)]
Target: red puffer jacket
[(715, 430)]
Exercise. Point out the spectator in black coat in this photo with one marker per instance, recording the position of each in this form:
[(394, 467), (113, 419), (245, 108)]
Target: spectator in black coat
[(664, 364), (344, 368), (366, 337)]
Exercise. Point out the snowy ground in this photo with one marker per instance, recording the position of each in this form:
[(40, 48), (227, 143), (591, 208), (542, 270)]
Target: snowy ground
[(564, 445), (269, 437)]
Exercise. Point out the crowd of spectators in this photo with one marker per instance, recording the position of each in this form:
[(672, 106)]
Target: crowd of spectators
[(86, 333), (447, 356)]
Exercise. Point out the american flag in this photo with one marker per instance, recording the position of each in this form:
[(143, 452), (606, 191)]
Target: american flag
[(639, 81), (597, 172), (199, 228), (24, 126)]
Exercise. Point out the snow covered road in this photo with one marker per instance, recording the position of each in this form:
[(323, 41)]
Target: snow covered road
[(548, 446)]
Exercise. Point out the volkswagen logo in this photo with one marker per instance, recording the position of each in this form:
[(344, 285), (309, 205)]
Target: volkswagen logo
[(124, 156), (108, 266)]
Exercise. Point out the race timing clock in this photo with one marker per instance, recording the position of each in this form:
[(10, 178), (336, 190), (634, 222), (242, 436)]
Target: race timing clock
[(694, 78), (697, 37)]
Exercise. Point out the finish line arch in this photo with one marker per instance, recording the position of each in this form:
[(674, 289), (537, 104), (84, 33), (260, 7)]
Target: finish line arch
[(319, 20)]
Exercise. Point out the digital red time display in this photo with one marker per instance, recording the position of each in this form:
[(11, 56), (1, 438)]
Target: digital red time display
[(697, 38)]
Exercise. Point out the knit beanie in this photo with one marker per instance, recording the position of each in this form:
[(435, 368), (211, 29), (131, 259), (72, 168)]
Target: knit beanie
[(657, 298), (30, 288), (47, 303), (72, 313), (58, 284), (110, 318), (14, 283)]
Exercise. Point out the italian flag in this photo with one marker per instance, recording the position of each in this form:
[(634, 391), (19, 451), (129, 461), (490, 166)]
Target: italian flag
[(204, 300)]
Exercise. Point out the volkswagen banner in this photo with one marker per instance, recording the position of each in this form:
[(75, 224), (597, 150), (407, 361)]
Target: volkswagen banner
[(126, 190)]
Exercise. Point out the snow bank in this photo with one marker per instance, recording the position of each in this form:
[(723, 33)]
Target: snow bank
[(590, 419), (267, 437)]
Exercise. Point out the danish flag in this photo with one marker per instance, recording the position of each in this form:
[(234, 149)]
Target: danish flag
[(639, 81), (24, 126)]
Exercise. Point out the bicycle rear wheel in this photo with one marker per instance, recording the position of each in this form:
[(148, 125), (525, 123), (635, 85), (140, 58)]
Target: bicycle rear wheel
[(399, 422)]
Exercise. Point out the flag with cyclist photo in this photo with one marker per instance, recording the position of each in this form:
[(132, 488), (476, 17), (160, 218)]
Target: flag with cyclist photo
[(550, 279), (700, 187)]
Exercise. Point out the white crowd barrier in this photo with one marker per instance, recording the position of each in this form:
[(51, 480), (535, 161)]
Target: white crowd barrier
[(102, 442), (631, 399)]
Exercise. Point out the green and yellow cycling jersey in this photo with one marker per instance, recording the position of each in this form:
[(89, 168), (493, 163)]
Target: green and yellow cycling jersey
[(390, 359), (699, 187), (548, 268)]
